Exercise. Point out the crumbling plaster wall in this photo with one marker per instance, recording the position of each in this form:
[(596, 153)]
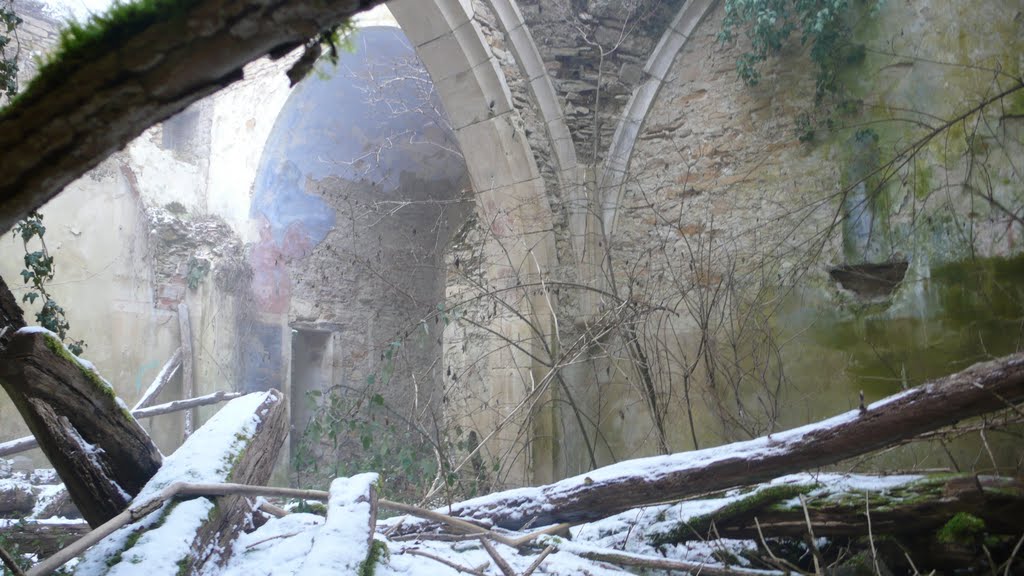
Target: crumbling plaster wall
[(722, 192), (127, 236)]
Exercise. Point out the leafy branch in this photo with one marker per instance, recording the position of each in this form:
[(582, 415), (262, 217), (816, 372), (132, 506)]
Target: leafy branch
[(39, 269), (769, 24)]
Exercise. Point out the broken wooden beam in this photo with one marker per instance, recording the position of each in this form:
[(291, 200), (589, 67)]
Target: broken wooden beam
[(99, 450), (982, 388), (187, 363), (169, 369), (238, 444), (29, 442)]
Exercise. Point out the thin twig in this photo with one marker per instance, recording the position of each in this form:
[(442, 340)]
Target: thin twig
[(815, 553), (501, 562), (444, 561), (255, 544), (871, 536), (536, 563), (10, 563)]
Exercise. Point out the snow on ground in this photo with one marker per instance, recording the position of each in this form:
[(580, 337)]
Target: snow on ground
[(279, 547)]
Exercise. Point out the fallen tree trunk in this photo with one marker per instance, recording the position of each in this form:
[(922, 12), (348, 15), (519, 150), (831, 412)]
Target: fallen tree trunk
[(240, 445), (606, 491), (112, 86), (99, 450), (919, 508), (29, 442)]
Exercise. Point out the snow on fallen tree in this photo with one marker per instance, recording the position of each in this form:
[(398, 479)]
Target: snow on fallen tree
[(982, 388), (239, 444), (99, 450)]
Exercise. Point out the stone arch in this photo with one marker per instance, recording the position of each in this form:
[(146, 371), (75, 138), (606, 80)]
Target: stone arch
[(479, 104), (511, 200), (612, 181)]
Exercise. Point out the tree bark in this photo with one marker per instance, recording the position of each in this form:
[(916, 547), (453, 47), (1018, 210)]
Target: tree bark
[(12, 318), (254, 465), (68, 122), (100, 451), (606, 491)]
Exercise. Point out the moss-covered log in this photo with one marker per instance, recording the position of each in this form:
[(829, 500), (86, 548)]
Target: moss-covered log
[(143, 64), (99, 450), (917, 508), (600, 493), (239, 444)]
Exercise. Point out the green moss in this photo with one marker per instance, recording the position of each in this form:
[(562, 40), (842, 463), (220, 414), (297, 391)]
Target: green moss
[(1015, 104), (102, 34), (963, 528), (58, 348), (757, 500), (378, 550)]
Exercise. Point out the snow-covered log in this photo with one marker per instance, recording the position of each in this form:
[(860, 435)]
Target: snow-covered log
[(99, 450), (238, 444), (344, 545), (97, 99), (982, 388)]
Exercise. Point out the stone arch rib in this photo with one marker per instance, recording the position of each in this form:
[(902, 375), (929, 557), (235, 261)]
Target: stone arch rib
[(611, 185), (473, 91), (532, 67)]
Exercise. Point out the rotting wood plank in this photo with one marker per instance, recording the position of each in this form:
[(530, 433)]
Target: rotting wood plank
[(187, 363), (982, 388), (99, 450)]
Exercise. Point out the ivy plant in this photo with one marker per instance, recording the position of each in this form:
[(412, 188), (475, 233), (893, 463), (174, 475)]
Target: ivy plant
[(39, 269), (9, 22), (770, 24)]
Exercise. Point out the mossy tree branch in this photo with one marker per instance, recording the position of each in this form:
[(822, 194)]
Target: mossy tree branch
[(117, 78)]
